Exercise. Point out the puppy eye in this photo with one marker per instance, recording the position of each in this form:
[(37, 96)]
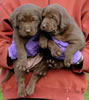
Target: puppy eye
[(52, 17), (34, 18), (22, 20)]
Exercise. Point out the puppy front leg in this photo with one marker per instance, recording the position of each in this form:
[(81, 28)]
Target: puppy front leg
[(20, 80), (43, 41), (55, 50), (69, 53), (22, 56)]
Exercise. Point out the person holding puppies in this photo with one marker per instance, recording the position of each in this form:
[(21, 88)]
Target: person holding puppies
[(63, 84)]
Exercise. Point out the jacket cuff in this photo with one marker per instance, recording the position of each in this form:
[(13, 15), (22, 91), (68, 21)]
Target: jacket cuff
[(6, 61), (83, 66)]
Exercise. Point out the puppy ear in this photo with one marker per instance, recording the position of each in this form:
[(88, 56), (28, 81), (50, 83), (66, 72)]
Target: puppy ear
[(43, 11), (64, 19), (40, 13), (13, 19)]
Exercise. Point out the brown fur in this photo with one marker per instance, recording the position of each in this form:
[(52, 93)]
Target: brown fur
[(25, 21), (58, 23), (39, 70)]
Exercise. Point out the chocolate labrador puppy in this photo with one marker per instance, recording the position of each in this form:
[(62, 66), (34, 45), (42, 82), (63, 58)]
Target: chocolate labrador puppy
[(59, 24), (25, 21)]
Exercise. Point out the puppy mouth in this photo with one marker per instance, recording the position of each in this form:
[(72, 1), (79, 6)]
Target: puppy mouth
[(51, 31)]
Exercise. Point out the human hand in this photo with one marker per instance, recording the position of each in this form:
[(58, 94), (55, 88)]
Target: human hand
[(63, 46), (31, 48)]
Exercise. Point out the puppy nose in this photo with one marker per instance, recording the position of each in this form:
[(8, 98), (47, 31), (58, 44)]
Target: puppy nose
[(27, 30), (44, 26)]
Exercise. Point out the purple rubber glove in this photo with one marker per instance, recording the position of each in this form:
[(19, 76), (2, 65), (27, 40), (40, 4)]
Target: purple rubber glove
[(63, 46), (31, 48)]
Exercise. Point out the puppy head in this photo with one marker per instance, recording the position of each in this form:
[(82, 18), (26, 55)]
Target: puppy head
[(26, 19), (55, 18)]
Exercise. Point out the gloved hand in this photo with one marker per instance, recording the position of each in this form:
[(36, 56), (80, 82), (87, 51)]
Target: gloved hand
[(63, 46), (31, 47)]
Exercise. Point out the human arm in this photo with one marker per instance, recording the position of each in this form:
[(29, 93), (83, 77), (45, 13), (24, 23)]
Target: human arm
[(5, 32), (85, 28), (5, 41)]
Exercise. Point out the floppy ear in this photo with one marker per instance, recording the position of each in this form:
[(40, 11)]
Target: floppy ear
[(43, 12), (13, 19), (40, 13), (64, 19)]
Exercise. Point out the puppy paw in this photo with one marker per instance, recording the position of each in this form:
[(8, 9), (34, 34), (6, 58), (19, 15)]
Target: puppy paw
[(50, 63), (21, 65), (43, 44), (68, 61), (55, 64), (42, 72), (30, 90), (56, 52), (21, 93)]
